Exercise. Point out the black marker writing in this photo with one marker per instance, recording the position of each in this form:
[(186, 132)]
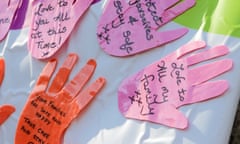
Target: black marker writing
[(150, 109), (43, 133), (131, 3), (132, 20), (165, 92), (152, 99), (104, 35), (41, 99), (43, 118), (146, 81), (42, 9), (62, 16), (162, 70), (29, 122), (127, 45), (54, 31), (116, 23), (42, 45), (57, 109), (55, 25), (45, 112), (62, 3), (25, 130), (136, 98), (34, 104), (57, 121), (45, 53), (151, 7), (40, 22), (106, 28), (181, 94), (145, 23), (38, 139), (36, 35), (177, 72), (4, 20)]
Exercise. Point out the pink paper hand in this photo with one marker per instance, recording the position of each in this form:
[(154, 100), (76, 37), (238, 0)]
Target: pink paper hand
[(128, 28), (52, 23), (155, 93), (7, 13)]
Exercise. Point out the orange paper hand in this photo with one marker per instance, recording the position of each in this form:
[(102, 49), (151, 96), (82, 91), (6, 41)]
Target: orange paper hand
[(5, 112), (48, 113), (2, 69)]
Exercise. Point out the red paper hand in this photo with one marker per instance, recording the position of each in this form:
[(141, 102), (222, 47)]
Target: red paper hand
[(48, 113)]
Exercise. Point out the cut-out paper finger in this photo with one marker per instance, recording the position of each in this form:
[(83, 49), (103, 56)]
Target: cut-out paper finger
[(173, 11), (23, 15), (45, 76), (208, 71), (7, 13), (176, 80), (78, 82), (2, 69), (132, 26), (206, 55), (52, 24), (48, 113), (208, 90), (63, 73), (86, 96), (5, 112)]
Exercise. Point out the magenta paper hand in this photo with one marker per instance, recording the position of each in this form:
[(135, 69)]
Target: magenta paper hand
[(128, 28), (156, 92), (52, 23), (7, 13)]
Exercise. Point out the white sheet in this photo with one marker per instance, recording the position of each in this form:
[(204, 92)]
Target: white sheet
[(210, 122)]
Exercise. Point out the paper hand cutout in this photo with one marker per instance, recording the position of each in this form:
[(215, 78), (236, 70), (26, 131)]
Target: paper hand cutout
[(2, 69), (5, 112), (21, 19), (129, 28), (48, 113), (52, 23), (7, 13), (156, 92)]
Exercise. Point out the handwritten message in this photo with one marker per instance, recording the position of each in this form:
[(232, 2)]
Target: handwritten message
[(48, 115), (129, 22), (165, 82), (4, 21), (50, 26)]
